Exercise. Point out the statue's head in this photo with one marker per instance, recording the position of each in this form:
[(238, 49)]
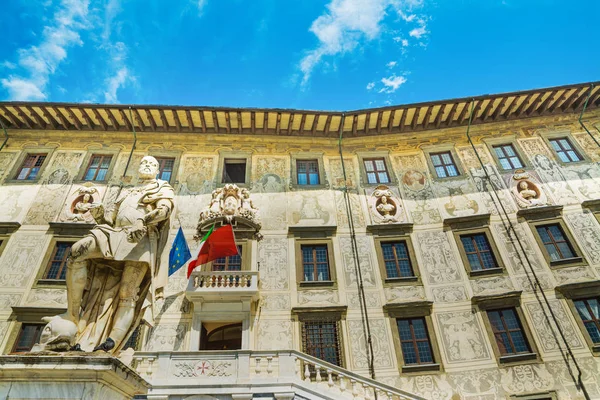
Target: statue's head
[(523, 185), (148, 168)]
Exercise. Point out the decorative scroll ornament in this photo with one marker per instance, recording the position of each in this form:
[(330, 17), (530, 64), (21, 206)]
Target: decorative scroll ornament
[(526, 192), (231, 205), (385, 206)]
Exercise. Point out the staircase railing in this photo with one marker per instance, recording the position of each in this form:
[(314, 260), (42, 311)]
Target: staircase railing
[(242, 368)]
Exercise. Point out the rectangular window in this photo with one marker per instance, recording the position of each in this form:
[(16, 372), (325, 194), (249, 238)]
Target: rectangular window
[(234, 170), (556, 243), (414, 341), (315, 263), (165, 168), (57, 266), (376, 170), (320, 339), (508, 332), (478, 251), (28, 336), (97, 168), (396, 259), (589, 311), (308, 172), (565, 150), (444, 164), (30, 167), (229, 263), (508, 157)]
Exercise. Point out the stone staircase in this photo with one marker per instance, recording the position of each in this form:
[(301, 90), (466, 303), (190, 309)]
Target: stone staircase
[(241, 374)]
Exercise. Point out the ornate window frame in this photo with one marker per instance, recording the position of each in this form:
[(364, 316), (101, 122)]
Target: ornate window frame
[(546, 136), (578, 260), (578, 291), (366, 155), (86, 162), (415, 309), (507, 300), (301, 156), (429, 150), (301, 283), (11, 178), (504, 140), (41, 282), (401, 281), (485, 230), (328, 313), (237, 155)]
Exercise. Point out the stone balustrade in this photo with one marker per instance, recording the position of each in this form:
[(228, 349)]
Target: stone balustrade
[(222, 285), (231, 372)]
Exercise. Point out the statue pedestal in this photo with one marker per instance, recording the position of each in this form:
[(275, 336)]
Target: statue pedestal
[(68, 376)]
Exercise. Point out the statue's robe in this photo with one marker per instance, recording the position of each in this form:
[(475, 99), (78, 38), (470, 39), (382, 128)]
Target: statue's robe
[(101, 296)]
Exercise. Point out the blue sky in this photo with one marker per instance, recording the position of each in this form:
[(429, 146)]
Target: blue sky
[(308, 54)]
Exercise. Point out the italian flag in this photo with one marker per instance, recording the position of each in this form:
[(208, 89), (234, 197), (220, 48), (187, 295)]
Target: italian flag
[(216, 243)]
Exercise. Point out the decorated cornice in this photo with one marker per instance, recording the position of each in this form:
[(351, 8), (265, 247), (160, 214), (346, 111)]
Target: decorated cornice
[(406, 118)]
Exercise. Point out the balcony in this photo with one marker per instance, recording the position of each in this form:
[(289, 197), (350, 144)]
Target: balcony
[(222, 286), (244, 373)]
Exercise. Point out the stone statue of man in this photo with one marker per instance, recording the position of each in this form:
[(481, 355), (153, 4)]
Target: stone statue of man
[(114, 268)]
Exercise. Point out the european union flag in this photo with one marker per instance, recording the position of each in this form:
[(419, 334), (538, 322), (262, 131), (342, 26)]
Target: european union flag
[(179, 254)]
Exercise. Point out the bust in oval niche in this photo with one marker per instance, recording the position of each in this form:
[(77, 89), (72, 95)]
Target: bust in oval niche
[(385, 206), (526, 192)]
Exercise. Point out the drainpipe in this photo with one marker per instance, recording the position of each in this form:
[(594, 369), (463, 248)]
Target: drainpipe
[(134, 142), (581, 116), (5, 135), (357, 269)]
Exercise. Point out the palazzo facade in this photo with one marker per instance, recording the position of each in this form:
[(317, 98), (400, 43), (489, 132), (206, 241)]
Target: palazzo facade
[(442, 250)]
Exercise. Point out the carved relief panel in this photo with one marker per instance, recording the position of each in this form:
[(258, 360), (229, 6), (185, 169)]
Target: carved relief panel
[(462, 336), (417, 190)]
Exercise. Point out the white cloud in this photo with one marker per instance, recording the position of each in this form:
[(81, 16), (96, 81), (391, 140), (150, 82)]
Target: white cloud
[(370, 85), (392, 83), (347, 23), (391, 64), (341, 28), (22, 89), (114, 83), (404, 42), (418, 32), (41, 61)]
